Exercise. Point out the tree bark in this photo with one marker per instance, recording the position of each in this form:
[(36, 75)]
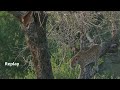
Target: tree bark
[(37, 42), (40, 53)]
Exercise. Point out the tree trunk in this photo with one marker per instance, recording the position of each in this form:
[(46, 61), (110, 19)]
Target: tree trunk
[(37, 42), (89, 71)]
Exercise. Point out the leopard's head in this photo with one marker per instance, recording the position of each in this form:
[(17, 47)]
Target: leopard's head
[(73, 62)]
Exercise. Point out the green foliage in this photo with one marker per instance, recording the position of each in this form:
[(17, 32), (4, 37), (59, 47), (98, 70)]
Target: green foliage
[(31, 74), (11, 47), (62, 69), (61, 62)]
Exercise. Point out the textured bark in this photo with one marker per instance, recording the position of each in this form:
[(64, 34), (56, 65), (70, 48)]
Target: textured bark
[(89, 71), (37, 42), (110, 46), (38, 46)]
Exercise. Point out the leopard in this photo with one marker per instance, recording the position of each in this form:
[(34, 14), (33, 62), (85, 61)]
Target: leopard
[(84, 58)]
